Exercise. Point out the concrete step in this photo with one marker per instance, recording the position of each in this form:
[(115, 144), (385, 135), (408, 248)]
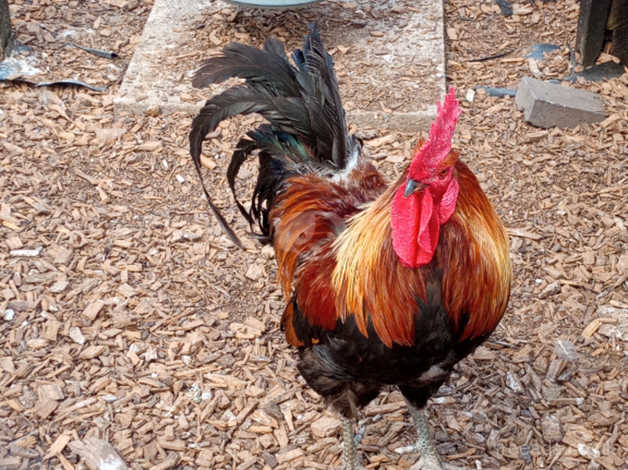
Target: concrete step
[(389, 55)]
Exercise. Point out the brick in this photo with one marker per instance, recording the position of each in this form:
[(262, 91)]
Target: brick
[(549, 105)]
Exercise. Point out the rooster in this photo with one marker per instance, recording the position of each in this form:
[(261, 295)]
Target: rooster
[(385, 284)]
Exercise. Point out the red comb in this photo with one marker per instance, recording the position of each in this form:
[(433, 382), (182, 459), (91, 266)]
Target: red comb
[(438, 145)]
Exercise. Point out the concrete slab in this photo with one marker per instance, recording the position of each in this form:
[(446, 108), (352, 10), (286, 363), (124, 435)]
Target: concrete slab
[(390, 62), (272, 3)]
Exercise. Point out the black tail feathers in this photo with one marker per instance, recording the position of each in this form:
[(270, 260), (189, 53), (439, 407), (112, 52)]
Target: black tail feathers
[(306, 130)]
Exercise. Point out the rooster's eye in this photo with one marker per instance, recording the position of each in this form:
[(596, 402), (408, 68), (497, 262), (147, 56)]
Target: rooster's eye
[(443, 173)]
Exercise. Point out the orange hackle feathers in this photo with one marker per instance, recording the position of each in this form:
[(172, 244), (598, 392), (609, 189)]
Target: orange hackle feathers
[(373, 286), (366, 274), (475, 252)]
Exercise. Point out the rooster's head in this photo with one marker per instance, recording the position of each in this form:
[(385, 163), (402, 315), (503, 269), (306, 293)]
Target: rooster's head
[(427, 196)]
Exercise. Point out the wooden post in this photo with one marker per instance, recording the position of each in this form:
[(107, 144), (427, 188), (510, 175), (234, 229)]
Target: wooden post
[(618, 24), (5, 28), (591, 29)]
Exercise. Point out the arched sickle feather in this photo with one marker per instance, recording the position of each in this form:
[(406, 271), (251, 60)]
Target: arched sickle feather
[(221, 220), (231, 102), (244, 148)]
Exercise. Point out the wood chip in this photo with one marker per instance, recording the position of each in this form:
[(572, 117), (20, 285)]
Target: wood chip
[(484, 354), (7, 365), (168, 462), (45, 407), (76, 335), (149, 147), (255, 272), (325, 426), (58, 445), (523, 233), (93, 309), (92, 352), (98, 454), (10, 463), (288, 455), (381, 141), (51, 391), (176, 444), (591, 328)]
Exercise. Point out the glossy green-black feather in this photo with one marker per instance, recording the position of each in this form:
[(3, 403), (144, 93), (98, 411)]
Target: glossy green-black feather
[(306, 131)]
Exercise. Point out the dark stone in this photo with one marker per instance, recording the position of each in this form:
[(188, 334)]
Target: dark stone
[(505, 7)]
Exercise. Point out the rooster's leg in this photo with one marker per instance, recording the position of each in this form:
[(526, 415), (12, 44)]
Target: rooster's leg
[(348, 405), (425, 444), (349, 451)]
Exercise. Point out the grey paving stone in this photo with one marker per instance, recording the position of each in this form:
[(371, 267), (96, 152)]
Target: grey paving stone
[(550, 105)]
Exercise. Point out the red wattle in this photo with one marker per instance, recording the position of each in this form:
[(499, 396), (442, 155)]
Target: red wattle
[(429, 227), (415, 227), (404, 218)]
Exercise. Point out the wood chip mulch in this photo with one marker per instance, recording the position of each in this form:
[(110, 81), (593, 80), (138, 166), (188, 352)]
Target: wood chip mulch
[(132, 330)]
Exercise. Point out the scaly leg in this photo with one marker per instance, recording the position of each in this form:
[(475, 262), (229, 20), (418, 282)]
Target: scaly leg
[(425, 444), (349, 411), (348, 451)]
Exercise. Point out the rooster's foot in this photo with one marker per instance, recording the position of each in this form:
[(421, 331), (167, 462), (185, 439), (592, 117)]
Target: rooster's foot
[(429, 458), (427, 462), (424, 445), (355, 466)]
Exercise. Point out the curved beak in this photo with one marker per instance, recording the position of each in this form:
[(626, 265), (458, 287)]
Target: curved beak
[(412, 186)]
